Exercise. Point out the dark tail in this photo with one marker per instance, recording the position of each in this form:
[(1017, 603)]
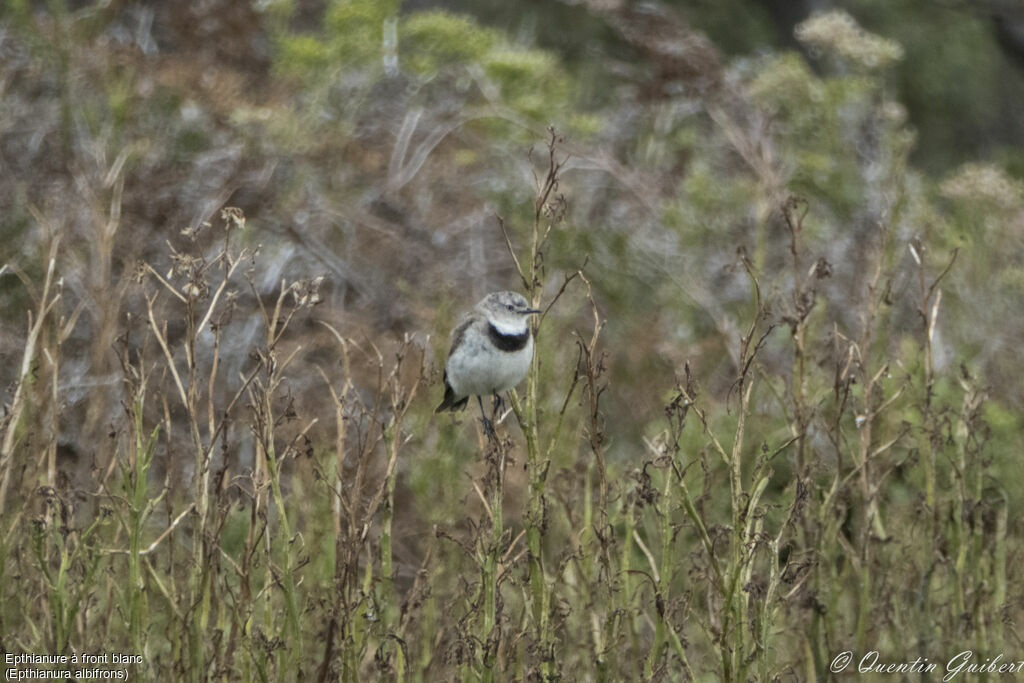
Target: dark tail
[(450, 402)]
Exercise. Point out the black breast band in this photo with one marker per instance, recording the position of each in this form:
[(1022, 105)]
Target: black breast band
[(507, 342)]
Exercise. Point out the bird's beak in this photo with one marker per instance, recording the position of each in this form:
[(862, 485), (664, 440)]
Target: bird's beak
[(530, 311)]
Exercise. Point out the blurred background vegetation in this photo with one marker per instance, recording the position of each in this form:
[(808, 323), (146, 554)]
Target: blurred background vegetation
[(861, 160)]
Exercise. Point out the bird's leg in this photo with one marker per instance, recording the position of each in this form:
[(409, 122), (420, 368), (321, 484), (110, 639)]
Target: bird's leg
[(488, 425), (498, 405)]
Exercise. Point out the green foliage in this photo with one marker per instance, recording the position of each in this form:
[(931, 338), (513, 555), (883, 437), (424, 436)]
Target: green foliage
[(707, 207), (435, 40), (300, 55), (957, 85), (354, 30), (429, 44), (735, 24), (952, 65), (530, 80), (351, 40)]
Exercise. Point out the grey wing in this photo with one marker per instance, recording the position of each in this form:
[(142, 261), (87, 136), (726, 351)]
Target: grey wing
[(459, 334), (450, 401)]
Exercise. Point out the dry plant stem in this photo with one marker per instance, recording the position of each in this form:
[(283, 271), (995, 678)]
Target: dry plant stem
[(661, 572), (140, 456), (627, 590), (65, 596), (378, 424), (928, 308), (744, 504), (735, 612), (339, 411), (490, 634), (389, 597), (44, 341), (735, 574), (188, 389), (591, 364), (337, 489), (261, 395), (526, 413), (803, 302), (104, 190), (872, 521), (401, 398), (589, 370), (44, 307)]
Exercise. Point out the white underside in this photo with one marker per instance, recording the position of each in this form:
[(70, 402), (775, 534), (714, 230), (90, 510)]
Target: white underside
[(477, 368), (509, 327)]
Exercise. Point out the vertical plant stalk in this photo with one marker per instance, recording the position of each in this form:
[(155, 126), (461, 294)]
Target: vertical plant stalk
[(261, 396), (661, 574), (140, 458), (872, 523), (337, 490), (733, 654), (549, 207), (78, 565), (928, 309), (366, 428), (589, 373), (13, 430), (492, 551), (194, 290), (803, 300), (401, 398), (737, 600)]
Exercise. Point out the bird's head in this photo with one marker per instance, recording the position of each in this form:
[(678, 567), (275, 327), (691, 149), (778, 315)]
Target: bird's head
[(508, 311)]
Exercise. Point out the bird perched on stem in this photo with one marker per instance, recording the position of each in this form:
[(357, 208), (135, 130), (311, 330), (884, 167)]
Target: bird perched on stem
[(491, 351)]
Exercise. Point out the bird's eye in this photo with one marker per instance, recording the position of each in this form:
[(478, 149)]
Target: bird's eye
[(510, 307)]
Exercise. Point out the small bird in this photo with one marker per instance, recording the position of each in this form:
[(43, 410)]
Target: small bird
[(491, 351)]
